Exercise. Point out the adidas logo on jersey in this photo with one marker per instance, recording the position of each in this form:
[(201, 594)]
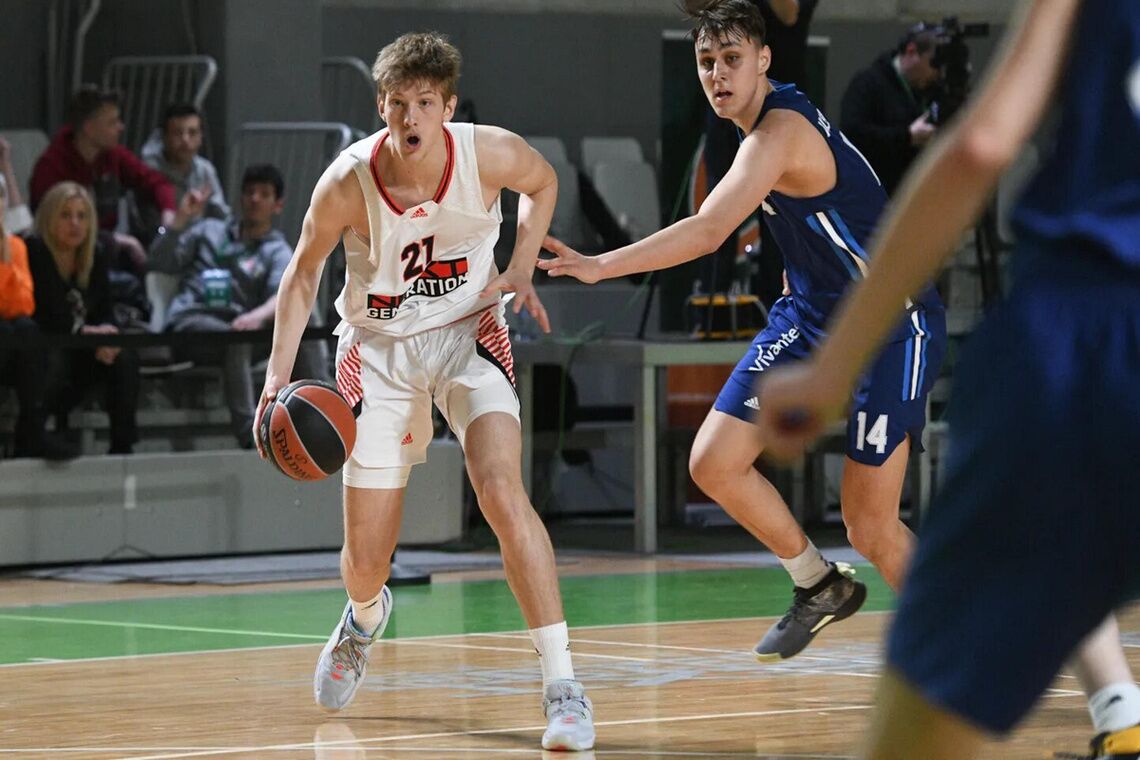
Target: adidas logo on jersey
[(753, 403), (407, 440), (419, 213)]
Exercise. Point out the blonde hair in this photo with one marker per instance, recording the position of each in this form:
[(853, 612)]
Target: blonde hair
[(417, 57), (50, 208), (5, 254)]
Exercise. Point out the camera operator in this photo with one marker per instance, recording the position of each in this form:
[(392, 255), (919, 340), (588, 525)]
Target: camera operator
[(886, 109)]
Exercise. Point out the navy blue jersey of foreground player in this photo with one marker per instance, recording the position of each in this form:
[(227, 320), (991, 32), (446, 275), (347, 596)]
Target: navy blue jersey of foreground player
[(823, 238), (1086, 196)]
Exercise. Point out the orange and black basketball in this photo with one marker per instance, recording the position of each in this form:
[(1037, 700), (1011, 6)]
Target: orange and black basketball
[(308, 431)]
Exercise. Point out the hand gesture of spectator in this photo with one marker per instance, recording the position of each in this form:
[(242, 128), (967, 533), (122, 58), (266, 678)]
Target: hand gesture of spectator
[(921, 130)]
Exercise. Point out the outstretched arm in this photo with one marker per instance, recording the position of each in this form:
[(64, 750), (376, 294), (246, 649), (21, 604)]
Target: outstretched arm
[(761, 161), (507, 161), (938, 200)]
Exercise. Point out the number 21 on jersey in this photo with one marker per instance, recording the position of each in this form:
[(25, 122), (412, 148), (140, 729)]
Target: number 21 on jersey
[(413, 252)]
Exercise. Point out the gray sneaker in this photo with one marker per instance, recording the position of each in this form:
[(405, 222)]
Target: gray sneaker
[(834, 598), (340, 668), (569, 715)]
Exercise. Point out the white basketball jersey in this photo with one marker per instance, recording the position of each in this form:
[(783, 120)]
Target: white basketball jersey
[(423, 266)]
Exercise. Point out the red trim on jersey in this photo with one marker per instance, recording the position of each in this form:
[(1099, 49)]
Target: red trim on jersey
[(376, 177), (444, 182)]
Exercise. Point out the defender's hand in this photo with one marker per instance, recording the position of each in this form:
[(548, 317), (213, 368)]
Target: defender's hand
[(796, 404), (567, 261), (519, 283)]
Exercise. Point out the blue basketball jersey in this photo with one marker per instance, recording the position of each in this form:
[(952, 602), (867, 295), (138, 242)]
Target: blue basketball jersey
[(823, 238), (1086, 196)]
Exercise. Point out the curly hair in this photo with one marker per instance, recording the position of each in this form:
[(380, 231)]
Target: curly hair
[(417, 57)]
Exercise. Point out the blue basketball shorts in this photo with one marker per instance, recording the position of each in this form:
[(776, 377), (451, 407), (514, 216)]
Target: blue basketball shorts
[(888, 404), (1033, 537)]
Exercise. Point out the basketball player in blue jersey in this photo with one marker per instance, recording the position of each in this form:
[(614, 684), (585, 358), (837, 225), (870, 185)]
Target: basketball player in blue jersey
[(821, 199), (1033, 540)]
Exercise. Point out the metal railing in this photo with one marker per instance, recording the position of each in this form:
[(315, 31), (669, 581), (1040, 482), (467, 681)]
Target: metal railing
[(150, 83), (301, 151), (348, 94)]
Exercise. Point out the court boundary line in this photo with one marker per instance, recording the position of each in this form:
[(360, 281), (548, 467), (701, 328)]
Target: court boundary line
[(184, 752), (407, 639)]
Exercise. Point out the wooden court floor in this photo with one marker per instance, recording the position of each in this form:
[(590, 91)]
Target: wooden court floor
[(682, 688)]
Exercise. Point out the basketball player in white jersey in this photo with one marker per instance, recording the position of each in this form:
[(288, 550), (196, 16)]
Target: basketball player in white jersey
[(417, 205)]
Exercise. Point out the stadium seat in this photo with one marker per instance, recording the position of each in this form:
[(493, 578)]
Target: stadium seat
[(161, 288), (629, 189), (27, 146), (568, 223), (551, 148), (598, 149)]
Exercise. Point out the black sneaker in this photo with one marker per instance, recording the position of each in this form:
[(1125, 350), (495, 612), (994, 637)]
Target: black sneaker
[(834, 598)]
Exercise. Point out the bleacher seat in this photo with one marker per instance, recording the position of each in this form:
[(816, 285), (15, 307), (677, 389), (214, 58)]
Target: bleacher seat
[(595, 150), (161, 288), (27, 146), (551, 148), (568, 223), (629, 189)]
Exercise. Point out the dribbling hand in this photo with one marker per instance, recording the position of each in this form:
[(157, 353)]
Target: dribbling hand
[(268, 393), (567, 261), (796, 404)]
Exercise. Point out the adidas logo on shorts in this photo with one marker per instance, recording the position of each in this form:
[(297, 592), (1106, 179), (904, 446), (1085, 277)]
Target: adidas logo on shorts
[(407, 440), (752, 403)]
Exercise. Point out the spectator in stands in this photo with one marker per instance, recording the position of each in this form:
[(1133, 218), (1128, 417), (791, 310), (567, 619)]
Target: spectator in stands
[(229, 274), (87, 151), (69, 262), (22, 361), (17, 217), (885, 110), (176, 157)]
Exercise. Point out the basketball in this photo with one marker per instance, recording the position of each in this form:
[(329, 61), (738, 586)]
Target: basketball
[(308, 431)]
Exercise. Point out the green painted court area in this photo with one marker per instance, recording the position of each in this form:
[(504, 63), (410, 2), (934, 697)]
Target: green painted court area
[(245, 620)]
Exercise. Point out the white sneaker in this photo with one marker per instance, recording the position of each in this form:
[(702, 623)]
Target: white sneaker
[(569, 715), (340, 668)]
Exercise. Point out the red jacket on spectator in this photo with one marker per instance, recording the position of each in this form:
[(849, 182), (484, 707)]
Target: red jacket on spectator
[(113, 171)]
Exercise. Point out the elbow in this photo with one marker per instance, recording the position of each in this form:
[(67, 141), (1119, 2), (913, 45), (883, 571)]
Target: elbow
[(709, 237), (981, 149)]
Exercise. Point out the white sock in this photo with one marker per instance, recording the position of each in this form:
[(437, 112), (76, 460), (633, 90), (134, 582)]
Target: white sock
[(366, 615), (553, 645), (808, 567), (1115, 707)]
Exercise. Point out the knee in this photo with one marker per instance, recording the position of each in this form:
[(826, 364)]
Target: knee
[(868, 535), (707, 471), (363, 561), (502, 500)]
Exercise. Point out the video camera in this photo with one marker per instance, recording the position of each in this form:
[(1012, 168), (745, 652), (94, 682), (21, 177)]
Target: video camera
[(952, 58)]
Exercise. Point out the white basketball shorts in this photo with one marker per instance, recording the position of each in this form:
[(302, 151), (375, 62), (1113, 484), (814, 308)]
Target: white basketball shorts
[(465, 367)]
